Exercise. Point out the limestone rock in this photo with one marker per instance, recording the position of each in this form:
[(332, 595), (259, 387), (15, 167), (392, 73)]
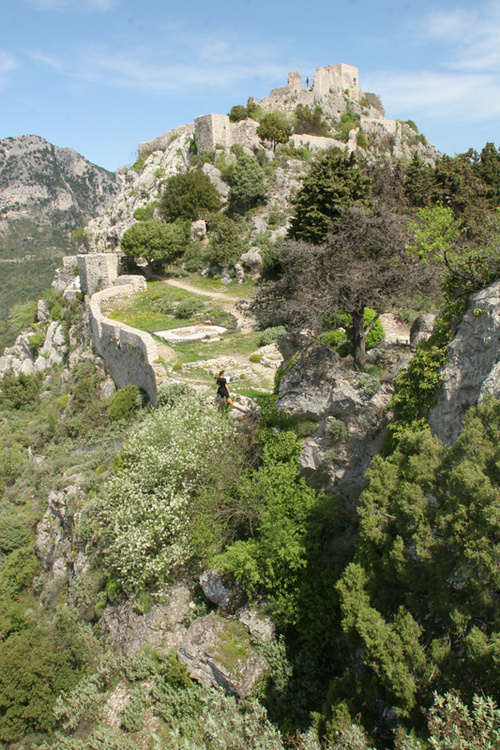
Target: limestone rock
[(317, 388), (252, 259), (473, 364), (198, 230), (422, 328), (217, 180), (128, 630), (219, 590), (218, 653)]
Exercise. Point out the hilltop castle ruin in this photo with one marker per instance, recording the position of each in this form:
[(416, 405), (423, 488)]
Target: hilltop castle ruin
[(335, 89)]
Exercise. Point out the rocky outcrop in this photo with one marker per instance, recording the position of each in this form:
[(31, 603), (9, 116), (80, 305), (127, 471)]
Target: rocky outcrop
[(421, 328), (128, 630), (473, 367), (51, 185), (219, 653), (344, 412), (56, 541), (141, 187)]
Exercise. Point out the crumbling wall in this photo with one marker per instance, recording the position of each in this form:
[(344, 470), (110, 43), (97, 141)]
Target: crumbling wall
[(130, 355)]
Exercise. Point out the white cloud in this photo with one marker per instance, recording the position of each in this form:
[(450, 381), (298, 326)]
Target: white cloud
[(8, 63), (74, 5), (472, 37), (173, 61), (464, 84)]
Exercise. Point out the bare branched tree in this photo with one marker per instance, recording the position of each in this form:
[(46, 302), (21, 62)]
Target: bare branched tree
[(364, 263)]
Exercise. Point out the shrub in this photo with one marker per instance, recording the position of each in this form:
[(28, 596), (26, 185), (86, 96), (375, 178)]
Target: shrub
[(334, 338), (123, 404), (170, 393), (37, 340), (186, 196), (19, 392), (144, 213), (225, 245), (248, 184), (255, 358), (238, 112), (145, 508), (270, 335), (188, 307), (336, 431), (13, 533)]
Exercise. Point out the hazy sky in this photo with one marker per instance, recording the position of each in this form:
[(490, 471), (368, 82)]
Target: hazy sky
[(102, 75)]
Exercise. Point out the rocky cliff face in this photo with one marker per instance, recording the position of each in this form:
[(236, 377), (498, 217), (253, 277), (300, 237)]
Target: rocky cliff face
[(473, 368), (49, 185)]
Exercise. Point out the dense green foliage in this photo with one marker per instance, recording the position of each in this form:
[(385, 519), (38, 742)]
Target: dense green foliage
[(225, 245), (419, 598), (333, 184), (248, 184), (274, 129), (187, 196), (155, 241), (310, 121)]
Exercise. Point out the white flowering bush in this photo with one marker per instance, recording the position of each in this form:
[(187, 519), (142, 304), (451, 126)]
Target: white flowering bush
[(145, 510)]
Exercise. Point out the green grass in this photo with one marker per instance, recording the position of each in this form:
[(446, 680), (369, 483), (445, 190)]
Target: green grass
[(215, 285), (234, 343), (144, 310)]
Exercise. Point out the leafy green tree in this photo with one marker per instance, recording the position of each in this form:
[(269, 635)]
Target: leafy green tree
[(187, 196), (225, 244), (237, 113), (420, 598), (155, 241), (248, 184), (334, 183), (310, 121), (274, 129), (468, 264), (279, 504)]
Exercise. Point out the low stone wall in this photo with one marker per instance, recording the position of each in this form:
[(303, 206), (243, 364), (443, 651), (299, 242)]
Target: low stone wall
[(129, 354)]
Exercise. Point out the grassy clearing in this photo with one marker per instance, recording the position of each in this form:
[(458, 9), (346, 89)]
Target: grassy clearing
[(232, 344), (152, 310), (216, 286)]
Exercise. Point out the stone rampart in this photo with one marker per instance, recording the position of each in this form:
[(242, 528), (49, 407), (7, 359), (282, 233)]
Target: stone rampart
[(316, 142), (130, 355), (161, 143), (213, 131), (97, 271)]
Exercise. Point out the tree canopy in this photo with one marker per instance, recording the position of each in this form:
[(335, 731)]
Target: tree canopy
[(334, 183), (363, 264), (155, 241), (274, 129), (187, 196)]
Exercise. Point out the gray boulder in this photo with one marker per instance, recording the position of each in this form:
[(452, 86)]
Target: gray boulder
[(220, 590), (473, 364), (219, 653), (422, 328)]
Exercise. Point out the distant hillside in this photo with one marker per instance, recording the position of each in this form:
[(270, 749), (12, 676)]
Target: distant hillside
[(45, 193)]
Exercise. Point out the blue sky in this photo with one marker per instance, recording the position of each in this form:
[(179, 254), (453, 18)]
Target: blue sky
[(102, 75)]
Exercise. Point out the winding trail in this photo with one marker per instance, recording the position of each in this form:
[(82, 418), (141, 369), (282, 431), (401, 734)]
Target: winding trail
[(245, 322)]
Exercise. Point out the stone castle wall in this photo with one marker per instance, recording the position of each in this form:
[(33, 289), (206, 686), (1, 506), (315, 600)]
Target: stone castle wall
[(130, 355), (97, 271)]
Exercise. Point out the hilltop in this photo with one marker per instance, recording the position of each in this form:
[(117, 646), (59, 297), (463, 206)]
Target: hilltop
[(315, 565), (46, 192)]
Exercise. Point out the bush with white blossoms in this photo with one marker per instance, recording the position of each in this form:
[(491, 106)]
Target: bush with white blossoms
[(144, 512)]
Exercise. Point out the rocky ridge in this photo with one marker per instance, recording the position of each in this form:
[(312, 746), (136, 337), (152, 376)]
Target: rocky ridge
[(335, 90), (50, 185)]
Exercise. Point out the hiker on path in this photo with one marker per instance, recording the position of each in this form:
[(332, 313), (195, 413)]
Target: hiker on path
[(222, 389)]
